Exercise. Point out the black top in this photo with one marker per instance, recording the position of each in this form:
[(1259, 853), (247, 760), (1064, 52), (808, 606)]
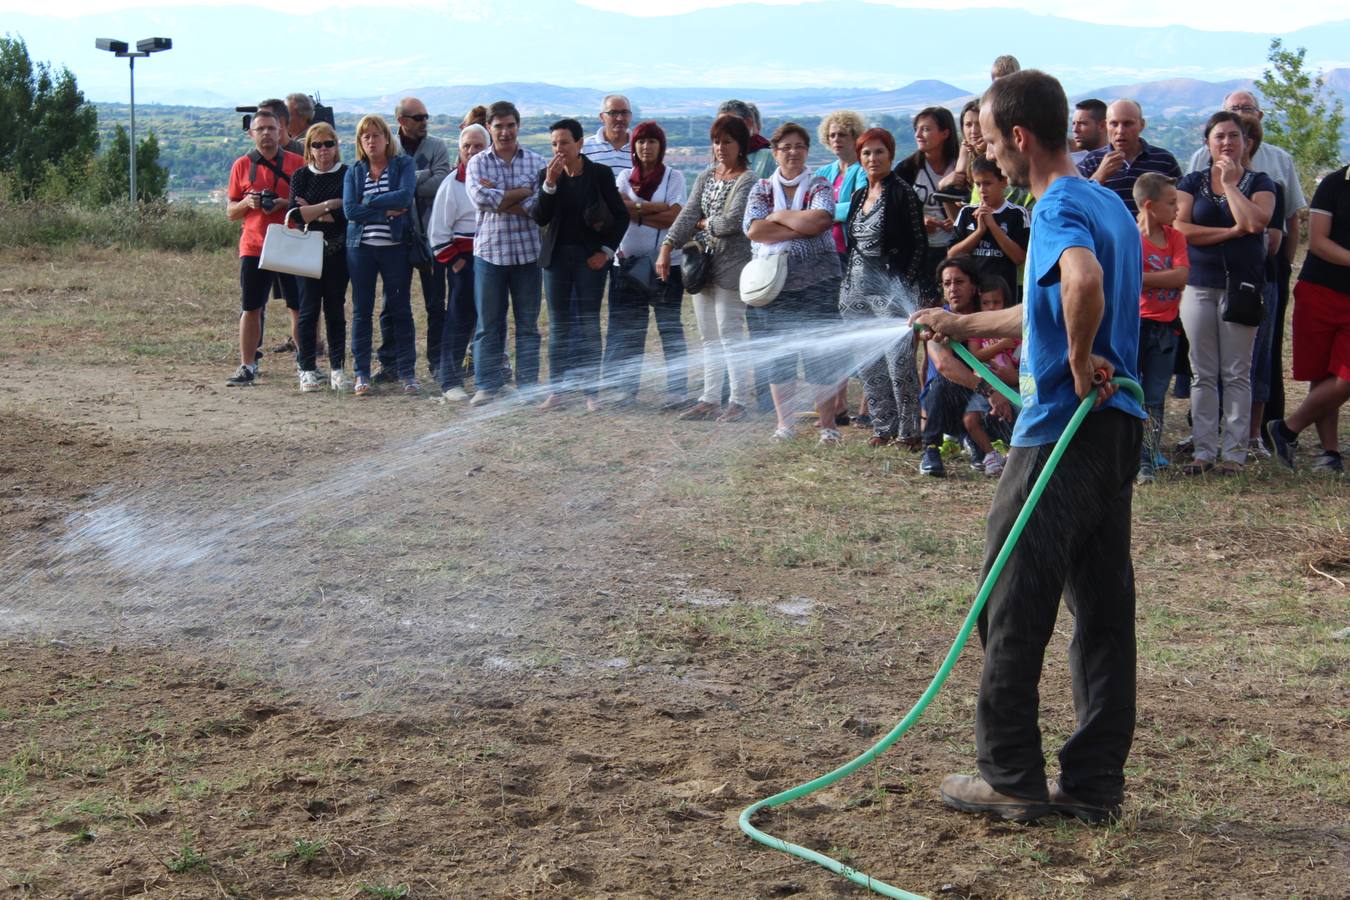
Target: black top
[(989, 256), (314, 188), (1242, 257), (1332, 198), (584, 211), (904, 240)]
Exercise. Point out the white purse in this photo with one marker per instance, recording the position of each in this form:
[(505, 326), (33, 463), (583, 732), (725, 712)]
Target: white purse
[(292, 251), (763, 278)]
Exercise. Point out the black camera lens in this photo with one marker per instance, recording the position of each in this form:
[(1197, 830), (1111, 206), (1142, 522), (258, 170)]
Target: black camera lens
[(267, 200)]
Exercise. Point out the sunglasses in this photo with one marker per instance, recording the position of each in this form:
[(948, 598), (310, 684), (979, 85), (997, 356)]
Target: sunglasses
[(324, 145), (420, 117)]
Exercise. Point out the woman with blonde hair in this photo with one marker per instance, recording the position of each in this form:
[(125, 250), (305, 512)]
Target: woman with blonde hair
[(377, 193), (316, 195)]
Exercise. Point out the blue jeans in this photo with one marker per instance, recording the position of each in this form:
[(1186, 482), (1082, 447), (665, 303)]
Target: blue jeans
[(391, 265), (492, 284), (626, 339), (574, 292), (461, 315), (1157, 361)]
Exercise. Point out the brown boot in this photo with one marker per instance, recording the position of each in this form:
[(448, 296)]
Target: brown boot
[(1067, 805), (734, 413), (700, 411), (970, 793)]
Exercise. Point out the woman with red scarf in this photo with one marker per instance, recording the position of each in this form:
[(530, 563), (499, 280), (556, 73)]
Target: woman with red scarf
[(454, 220), (653, 194)]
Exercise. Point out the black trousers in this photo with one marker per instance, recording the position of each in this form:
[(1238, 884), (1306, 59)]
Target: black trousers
[(327, 293), (1076, 544)]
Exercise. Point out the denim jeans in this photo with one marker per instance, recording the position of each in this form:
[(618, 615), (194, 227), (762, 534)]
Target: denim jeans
[(574, 292), (626, 339), (460, 318), (494, 288), (944, 406), (391, 265), (1157, 361)]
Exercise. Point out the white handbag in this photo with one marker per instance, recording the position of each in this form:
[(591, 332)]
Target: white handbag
[(763, 278), (292, 251)]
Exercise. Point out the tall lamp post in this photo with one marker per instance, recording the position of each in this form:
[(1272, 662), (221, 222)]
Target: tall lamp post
[(144, 47)]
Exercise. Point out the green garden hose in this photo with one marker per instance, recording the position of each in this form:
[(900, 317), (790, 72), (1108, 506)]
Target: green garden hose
[(810, 787)]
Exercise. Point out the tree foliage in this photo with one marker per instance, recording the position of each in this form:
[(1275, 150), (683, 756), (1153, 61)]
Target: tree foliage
[(109, 175), (45, 122), (1300, 114)]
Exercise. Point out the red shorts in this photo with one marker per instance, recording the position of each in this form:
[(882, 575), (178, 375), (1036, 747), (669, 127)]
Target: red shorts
[(1321, 333)]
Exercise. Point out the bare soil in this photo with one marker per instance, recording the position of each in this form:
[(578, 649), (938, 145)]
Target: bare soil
[(340, 648)]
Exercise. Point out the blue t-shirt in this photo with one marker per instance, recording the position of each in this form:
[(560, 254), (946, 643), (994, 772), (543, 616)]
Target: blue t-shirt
[(1076, 212), (1241, 257)]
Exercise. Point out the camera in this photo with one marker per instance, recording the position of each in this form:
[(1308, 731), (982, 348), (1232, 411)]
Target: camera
[(267, 200)]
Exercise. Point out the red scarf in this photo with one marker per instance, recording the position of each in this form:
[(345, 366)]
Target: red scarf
[(645, 185), (461, 170), (758, 142)]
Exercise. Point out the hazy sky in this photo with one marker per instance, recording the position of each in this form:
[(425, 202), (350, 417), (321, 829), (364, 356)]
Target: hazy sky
[(1231, 15)]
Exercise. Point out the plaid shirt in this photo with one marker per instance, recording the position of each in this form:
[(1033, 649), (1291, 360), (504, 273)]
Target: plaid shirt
[(504, 239)]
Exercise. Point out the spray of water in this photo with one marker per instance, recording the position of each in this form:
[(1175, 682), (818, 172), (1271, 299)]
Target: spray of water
[(413, 560)]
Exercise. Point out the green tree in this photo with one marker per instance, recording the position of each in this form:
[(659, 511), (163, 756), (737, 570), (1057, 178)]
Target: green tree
[(109, 181), (44, 119), (1299, 116)]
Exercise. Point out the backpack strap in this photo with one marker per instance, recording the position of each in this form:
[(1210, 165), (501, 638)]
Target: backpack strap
[(256, 159)]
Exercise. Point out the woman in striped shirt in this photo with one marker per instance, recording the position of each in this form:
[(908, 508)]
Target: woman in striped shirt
[(376, 196)]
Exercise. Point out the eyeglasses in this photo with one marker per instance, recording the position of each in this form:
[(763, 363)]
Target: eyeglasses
[(420, 117), (617, 113), (1245, 108), (324, 145), (790, 148)]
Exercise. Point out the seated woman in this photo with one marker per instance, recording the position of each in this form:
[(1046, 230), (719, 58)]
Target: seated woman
[(316, 193), (791, 213), (582, 221), (376, 195), (887, 247), (1223, 212), (713, 216), (454, 222)]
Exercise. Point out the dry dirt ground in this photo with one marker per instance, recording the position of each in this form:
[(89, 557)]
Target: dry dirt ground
[(263, 644)]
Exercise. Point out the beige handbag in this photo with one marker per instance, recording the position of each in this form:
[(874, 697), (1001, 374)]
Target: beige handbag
[(292, 251)]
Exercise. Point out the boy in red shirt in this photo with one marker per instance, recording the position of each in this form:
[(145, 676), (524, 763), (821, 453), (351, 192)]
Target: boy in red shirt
[(259, 193), (1166, 267)]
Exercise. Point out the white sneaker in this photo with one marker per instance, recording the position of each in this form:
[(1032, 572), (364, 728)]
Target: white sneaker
[(993, 464), (483, 397), (310, 381), (455, 395), (339, 380)]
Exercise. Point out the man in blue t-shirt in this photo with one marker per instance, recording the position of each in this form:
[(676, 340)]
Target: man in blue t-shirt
[(1080, 318)]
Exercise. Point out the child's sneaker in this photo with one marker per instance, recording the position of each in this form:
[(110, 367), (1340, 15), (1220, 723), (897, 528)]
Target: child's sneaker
[(993, 464)]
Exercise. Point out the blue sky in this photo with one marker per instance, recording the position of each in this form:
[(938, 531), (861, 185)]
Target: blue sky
[(365, 48)]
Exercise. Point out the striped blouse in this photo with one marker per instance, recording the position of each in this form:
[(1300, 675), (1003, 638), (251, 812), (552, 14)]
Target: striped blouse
[(377, 234)]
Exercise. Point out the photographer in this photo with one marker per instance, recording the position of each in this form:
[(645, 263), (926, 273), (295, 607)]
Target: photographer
[(259, 192)]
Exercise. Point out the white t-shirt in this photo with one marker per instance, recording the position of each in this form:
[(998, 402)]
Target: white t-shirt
[(452, 213), (644, 240)]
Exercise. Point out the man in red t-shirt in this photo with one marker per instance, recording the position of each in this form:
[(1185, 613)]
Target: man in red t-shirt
[(260, 188)]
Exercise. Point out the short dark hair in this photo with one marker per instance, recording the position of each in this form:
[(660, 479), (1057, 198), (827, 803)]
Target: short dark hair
[(1093, 107), (278, 107), (951, 147), (501, 109), (786, 129), (991, 283), (1224, 115), (734, 127), (571, 126), (1031, 100), (964, 262), (985, 164)]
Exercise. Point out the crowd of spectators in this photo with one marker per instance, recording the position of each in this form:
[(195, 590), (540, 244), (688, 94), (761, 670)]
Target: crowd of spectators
[(494, 228)]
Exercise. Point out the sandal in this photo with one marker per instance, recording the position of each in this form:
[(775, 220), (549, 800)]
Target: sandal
[(879, 440), (362, 386), (1228, 468), (1197, 468), (784, 434)]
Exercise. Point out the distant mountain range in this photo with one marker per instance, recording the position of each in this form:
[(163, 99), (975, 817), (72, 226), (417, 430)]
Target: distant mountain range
[(1166, 98), (387, 47)]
